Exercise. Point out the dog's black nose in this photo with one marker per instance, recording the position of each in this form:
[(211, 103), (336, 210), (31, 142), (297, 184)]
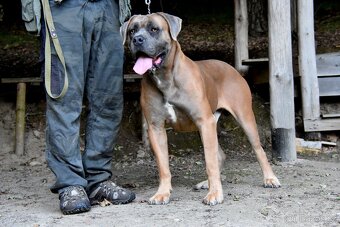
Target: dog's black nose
[(138, 40)]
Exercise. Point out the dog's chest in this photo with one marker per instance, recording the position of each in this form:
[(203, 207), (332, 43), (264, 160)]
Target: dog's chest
[(170, 112), (177, 119)]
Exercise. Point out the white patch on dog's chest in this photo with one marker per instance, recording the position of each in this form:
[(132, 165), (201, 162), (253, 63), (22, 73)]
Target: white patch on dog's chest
[(171, 111)]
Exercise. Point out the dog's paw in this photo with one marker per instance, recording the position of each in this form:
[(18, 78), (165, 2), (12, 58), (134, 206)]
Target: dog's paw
[(213, 198), (159, 199), (271, 182), (202, 185)]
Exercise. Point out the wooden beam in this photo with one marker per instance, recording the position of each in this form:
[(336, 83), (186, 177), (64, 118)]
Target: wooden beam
[(307, 62), (241, 35), (21, 80), (281, 81), (255, 61), (132, 76), (326, 124), (336, 115), (329, 86), (11, 80), (328, 64)]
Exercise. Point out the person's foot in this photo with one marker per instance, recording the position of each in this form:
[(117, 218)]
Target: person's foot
[(112, 193), (73, 200)]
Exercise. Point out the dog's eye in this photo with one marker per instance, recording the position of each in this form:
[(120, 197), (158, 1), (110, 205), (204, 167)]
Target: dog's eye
[(154, 29), (132, 31)]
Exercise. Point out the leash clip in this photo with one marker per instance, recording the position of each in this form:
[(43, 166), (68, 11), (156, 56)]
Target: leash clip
[(153, 69), (148, 3)]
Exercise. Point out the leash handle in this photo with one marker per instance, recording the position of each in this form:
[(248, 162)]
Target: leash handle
[(148, 3), (52, 35)]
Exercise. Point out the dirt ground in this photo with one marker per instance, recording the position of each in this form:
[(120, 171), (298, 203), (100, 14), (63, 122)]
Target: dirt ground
[(310, 192)]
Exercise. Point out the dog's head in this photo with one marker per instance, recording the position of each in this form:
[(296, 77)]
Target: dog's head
[(150, 38)]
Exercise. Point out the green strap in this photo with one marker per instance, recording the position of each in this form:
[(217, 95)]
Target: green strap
[(51, 34)]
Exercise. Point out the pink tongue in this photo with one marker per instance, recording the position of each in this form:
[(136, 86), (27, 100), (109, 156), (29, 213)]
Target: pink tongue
[(142, 65)]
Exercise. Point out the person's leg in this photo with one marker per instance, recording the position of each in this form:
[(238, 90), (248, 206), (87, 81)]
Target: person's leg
[(104, 88), (63, 114)]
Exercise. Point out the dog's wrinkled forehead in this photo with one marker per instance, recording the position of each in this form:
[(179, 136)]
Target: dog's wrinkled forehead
[(163, 22), (148, 22), (152, 24)]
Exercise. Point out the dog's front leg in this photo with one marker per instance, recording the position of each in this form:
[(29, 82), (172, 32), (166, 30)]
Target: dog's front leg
[(159, 143), (221, 159), (210, 143)]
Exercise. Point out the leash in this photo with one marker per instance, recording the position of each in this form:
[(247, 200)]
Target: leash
[(148, 3), (52, 35)]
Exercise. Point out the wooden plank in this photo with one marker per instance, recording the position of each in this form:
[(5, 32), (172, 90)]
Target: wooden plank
[(331, 124), (38, 79), (255, 61), (281, 81), (307, 62), (132, 76), (328, 64), (241, 34), (329, 86), (330, 115), (21, 80)]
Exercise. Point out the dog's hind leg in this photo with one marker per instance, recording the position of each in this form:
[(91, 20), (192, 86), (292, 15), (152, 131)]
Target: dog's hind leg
[(246, 119)]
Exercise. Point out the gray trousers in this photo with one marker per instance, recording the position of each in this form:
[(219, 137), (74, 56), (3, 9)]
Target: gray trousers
[(88, 32)]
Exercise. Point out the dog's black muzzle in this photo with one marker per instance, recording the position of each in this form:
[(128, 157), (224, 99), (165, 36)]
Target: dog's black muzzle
[(138, 40)]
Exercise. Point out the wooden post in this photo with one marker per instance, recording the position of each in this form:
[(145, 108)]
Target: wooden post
[(241, 35), (281, 81), (307, 63), (20, 119), (20, 109)]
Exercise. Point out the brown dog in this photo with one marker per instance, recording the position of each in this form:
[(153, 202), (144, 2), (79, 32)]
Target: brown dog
[(188, 95)]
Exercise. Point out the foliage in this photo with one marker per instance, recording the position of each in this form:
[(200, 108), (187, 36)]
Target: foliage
[(16, 38)]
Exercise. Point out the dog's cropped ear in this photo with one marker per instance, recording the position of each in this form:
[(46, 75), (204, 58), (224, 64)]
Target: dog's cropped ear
[(123, 29), (175, 24)]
